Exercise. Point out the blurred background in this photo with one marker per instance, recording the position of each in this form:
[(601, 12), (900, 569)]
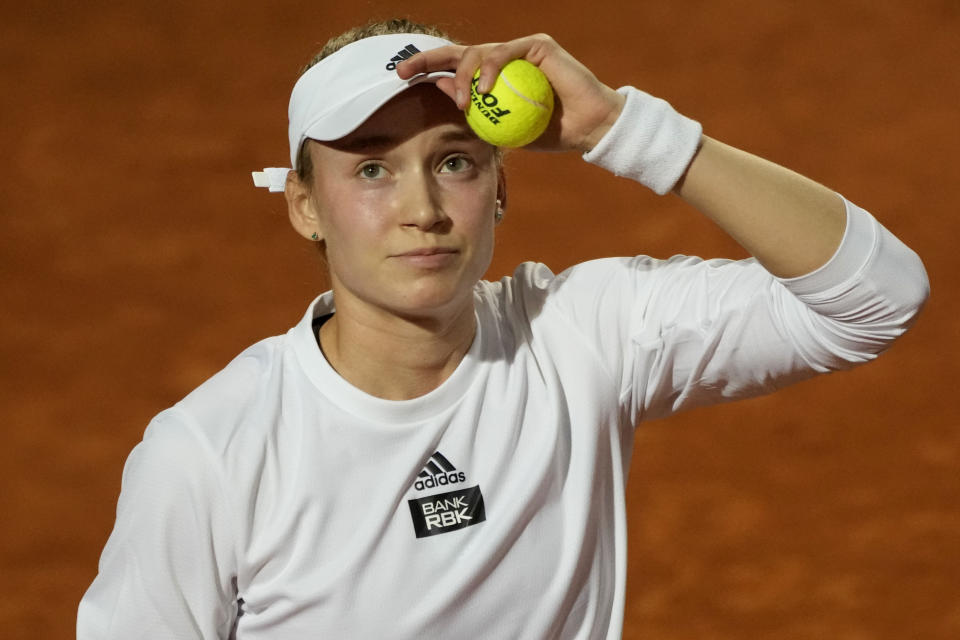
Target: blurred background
[(136, 259)]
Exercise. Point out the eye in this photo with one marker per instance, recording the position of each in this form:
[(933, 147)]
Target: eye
[(455, 164), (372, 171)]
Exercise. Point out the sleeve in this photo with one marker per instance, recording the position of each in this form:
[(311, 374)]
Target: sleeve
[(687, 332), (167, 570)]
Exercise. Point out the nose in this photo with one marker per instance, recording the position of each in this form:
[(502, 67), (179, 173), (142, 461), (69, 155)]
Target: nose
[(419, 202)]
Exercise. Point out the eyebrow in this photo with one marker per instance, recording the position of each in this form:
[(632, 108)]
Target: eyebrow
[(459, 135), (365, 143), (386, 140)]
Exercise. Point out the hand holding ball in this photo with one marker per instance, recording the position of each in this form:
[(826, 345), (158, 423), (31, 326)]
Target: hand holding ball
[(516, 110)]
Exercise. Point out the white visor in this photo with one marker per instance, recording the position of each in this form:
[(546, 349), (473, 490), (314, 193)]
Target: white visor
[(339, 93)]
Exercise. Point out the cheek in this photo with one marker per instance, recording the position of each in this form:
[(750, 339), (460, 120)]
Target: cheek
[(350, 239), (350, 218), (482, 218), (357, 237), (479, 225)]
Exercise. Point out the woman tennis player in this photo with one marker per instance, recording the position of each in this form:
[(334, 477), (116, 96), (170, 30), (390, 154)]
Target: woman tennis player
[(426, 454)]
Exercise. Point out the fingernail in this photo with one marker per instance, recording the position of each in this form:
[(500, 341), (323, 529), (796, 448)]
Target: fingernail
[(461, 103), (486, 84)]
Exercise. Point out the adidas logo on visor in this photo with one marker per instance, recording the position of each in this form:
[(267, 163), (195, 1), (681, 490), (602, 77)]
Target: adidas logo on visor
[(438, 472), (402, 55)]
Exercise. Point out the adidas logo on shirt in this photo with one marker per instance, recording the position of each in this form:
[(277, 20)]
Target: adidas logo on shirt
[(438, 472), (402, 55), (444, 512)]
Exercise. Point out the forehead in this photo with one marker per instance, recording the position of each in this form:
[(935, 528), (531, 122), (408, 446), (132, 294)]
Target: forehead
[(422, 109)]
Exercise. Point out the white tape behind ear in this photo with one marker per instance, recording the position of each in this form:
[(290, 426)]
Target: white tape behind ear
[(273, 178)]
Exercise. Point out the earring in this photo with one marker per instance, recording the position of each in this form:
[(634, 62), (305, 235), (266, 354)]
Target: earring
[(498, 215), (314, 237)]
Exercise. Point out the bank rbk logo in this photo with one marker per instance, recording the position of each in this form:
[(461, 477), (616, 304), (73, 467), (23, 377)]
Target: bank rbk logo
[(445, 512)]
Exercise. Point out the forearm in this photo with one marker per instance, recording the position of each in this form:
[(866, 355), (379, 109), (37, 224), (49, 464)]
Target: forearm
[(791, 224)]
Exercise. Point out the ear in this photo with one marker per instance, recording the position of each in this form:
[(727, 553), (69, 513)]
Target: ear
[(502, 187), (301, 208)]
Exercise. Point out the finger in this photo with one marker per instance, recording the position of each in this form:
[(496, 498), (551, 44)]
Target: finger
[(495, 57), (466, 60), (446, 86), (470, 59), (439, 59), (489, 59)]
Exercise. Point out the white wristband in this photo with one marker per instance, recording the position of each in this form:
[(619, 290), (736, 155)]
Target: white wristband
[(650, 142)]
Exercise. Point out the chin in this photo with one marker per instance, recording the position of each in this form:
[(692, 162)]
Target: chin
[(433, 300)]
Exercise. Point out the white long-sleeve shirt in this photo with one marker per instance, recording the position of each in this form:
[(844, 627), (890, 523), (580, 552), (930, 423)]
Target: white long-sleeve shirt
[(278, 501)]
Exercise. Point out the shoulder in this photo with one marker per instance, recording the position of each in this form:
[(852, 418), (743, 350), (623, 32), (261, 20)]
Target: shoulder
[(172, 459), (596, 292), (531, 277), (528, 276), (533, 281), (233, 385), (223, 411), (536, 296)]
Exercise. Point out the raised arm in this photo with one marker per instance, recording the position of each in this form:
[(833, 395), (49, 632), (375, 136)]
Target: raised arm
[(791, 224)]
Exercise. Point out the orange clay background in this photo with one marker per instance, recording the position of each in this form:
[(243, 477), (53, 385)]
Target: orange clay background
[(137, 259)]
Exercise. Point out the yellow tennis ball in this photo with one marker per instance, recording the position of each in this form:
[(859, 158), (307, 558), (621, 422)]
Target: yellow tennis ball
[(516, 110)]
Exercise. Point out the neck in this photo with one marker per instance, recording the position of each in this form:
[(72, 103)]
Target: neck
[(396, 358)]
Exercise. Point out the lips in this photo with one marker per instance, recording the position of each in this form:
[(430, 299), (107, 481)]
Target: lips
[(425, 251), (430, 258)]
